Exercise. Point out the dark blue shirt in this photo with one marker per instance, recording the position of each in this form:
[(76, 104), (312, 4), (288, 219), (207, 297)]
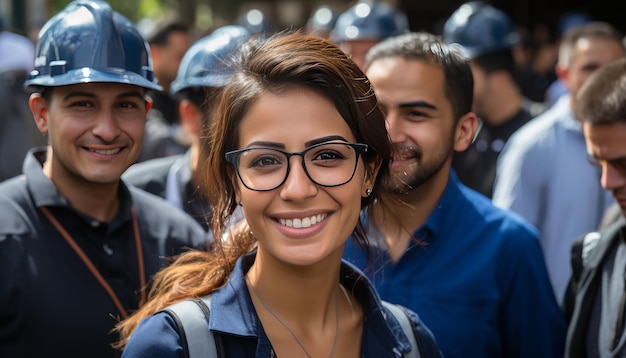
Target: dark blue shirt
[(239, 331), (477, 279)]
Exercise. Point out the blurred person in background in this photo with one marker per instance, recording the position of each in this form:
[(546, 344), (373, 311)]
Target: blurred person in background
[(567, 21), (487, 37), (543, 172), (18, 132), (169, 39), (204, 70)]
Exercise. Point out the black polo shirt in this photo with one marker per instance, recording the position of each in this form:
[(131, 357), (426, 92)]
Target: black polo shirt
[(51, 305), (476, 166)]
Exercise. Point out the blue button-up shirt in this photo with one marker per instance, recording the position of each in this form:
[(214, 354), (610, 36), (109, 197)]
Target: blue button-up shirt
[(543, 174), (477, 279), (234, 321)]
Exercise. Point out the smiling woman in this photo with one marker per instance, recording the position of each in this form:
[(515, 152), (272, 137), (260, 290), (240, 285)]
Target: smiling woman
[(298, 142)]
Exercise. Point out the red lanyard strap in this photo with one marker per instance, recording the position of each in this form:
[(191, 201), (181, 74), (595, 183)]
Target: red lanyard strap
[(81, 254)]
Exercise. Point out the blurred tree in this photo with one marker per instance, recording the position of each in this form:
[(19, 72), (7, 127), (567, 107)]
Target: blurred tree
[(134, 10)]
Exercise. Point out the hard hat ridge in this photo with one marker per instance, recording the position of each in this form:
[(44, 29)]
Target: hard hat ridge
[(479, 28)]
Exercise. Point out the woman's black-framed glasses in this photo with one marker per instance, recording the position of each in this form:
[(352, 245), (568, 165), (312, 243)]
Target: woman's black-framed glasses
[(326, 164)]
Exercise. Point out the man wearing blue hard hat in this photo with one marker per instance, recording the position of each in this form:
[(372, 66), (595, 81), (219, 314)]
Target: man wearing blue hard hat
[(365, 24), (78, 247), (487, 36), (205, 69)]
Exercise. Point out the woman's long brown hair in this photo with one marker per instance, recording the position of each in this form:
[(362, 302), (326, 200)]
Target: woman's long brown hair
[(284, 61)]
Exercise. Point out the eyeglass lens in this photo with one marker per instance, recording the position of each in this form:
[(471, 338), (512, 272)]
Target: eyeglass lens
[(329, 164)]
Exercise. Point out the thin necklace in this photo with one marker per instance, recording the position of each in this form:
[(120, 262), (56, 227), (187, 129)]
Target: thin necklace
[(332, 350)]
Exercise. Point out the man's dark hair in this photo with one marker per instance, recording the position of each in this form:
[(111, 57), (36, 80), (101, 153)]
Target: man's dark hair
[(161, 33), (497, 61), (602, 99), (429, 48)]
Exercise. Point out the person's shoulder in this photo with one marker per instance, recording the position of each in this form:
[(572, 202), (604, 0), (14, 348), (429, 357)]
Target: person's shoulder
[(163, 217), (13, 194), (150, 172), (16, 207), (150, 166), (156, 207), (8, 186), (155, 336)]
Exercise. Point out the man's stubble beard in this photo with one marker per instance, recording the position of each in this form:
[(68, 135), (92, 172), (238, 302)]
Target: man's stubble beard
[(403, 180)]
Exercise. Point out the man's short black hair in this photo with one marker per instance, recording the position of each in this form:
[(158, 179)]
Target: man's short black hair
[(161, 33)]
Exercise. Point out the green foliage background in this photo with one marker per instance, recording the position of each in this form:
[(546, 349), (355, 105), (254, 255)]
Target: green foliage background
[(134, 10)]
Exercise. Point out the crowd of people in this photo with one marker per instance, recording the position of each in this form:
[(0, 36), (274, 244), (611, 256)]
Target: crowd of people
[(351, 188)]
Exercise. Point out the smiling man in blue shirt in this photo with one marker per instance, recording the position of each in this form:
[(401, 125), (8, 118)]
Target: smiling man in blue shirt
[(474, 273)]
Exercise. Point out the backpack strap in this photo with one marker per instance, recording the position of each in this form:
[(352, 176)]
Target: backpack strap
[(581, 248), (401, 315), (192, 318)]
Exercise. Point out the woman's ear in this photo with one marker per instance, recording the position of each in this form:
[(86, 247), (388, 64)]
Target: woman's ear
[(371, 171), (39, 108), (466, 131)]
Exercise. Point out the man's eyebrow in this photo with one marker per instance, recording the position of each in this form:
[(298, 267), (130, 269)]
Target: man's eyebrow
[(131, 94), (93, 95), (416, 104)]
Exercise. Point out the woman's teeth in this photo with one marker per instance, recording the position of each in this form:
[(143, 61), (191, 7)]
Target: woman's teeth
[(303, 222)]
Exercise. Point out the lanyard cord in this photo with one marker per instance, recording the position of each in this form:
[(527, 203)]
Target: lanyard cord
[(81, 254)]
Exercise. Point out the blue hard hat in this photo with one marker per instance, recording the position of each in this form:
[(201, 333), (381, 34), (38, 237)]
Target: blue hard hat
[(480, 28), (208, 62), (570, 20), (364, 21), (323, 18), (256, 21), (89, 42)]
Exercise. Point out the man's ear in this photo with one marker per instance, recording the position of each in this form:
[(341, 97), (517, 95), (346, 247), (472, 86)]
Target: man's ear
[(39, 109), (190, 117), (466, 130), (148, 105), (561, 72)]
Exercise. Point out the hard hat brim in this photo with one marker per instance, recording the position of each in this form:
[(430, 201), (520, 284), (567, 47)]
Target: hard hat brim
[(90, 75)]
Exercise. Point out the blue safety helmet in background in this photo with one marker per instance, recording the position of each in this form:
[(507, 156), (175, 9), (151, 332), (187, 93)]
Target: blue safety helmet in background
[(89, 42), (480, 28), (208, 62), (323, 19), (364, 21), (570, 20), (256, 21)]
